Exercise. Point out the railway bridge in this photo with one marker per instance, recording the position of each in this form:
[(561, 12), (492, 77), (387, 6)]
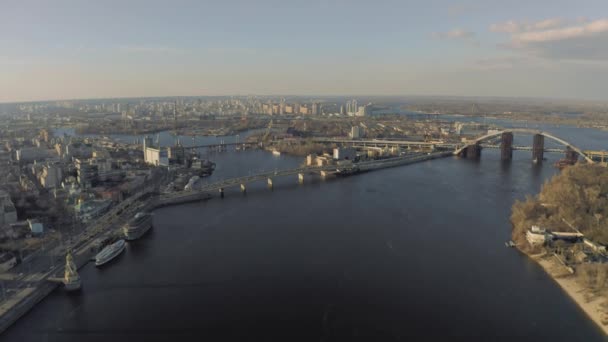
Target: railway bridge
[(473, 148)]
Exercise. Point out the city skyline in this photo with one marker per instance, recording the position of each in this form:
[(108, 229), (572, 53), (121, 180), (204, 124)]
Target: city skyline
[(73, 50)]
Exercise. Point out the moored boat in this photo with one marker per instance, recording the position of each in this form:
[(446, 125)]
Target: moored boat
[(109, 252), (138, 226)]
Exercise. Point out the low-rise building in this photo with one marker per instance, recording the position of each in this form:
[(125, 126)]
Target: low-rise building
[(596, 247), (342, 153), (537, 236), (310, 159), (35, 227), (30, 154), (87, 210), (8, 212)]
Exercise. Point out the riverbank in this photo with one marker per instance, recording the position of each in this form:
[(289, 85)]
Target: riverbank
[(578, 293)]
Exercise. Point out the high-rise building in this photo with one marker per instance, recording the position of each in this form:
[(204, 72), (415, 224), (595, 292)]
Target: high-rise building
[(355, 132), (86, 173), (51, 176), (351, 107), (315, 108)]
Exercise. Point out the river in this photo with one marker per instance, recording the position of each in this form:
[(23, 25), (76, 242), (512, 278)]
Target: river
[(413, 251)]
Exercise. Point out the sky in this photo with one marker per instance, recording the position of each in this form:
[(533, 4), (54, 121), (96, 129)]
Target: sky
[(99, 49)]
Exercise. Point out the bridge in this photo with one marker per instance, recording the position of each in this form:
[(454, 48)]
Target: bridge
[(242, 143), (473, 148), (342, 169)]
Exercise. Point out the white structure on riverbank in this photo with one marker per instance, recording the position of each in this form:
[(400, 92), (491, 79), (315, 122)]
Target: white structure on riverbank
[(156, 156), (537, 236)]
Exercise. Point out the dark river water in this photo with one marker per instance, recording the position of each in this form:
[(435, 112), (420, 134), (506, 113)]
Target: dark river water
[(410, 252)]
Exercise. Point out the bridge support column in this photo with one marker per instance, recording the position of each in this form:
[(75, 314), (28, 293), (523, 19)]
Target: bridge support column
[(323, 174), (571, 155), (243, 188), (506, 146), (473, 151), (222, 192), (270, 186), (538, 148), (300, 178)]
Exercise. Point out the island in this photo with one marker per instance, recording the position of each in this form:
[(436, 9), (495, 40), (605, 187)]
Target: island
[(565, 229)]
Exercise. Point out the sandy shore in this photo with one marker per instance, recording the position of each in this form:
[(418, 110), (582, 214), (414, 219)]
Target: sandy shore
[(568, 283)]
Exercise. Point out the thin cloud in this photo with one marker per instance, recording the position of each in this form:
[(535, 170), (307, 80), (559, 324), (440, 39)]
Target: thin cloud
[(513, 26), (555, 38), (454, 34), (156, 49), (597, 27), (457, 34)]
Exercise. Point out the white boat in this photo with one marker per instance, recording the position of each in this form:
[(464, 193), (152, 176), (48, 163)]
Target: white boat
[(138, 226), (276, 153), (109, 252)]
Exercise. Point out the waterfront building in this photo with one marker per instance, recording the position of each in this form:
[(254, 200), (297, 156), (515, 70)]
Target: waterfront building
[(342, 153), (596, 247), (537, 236), (177, 154), (323, 160), (156, 156), (87, 210), (310, 159)]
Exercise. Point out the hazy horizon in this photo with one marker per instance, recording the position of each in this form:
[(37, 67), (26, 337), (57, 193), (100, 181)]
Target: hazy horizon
[(405, 97), (67, 50)]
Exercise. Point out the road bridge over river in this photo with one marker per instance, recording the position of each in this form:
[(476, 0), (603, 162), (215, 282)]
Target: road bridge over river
[(344, 169)]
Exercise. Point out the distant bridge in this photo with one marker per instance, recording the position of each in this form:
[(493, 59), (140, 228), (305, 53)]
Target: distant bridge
[(438, 144), (473, 148), (194, 195)]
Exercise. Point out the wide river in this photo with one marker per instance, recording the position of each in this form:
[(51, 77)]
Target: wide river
[(414, 251)]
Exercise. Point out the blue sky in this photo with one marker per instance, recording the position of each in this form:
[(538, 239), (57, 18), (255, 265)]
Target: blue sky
[(83, 49)]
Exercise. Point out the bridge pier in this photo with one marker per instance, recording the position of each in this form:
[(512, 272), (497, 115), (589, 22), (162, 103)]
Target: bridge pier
[(323, 174), (473, 151), (270, 186), (300, 178), (538, 148), (221, 192), (506, 146), (571, 155), (243, 189)]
